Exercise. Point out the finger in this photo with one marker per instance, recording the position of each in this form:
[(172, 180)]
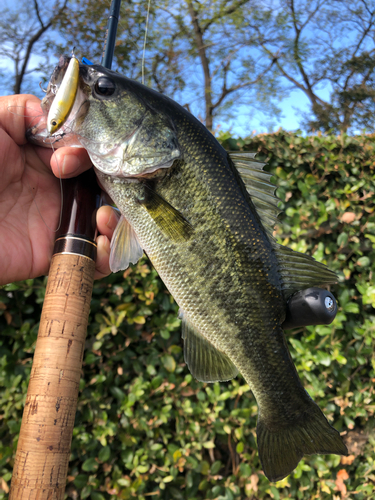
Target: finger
[(70, 162), (102, 260), (106, 221), (18, 113)]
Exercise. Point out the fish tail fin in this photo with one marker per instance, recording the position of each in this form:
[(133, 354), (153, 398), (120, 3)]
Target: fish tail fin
[(281, 450)]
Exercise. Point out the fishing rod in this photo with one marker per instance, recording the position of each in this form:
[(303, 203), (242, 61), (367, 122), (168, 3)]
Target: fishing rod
[(42, 457)]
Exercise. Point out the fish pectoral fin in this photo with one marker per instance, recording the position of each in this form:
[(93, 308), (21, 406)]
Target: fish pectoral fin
[(171, 222), (125, 247), (205, 362), (281, 450), (299, 271)]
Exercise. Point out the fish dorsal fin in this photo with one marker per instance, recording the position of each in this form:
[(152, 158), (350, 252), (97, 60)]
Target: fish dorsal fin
[(258, 185), (125, 247), (169, 220), (299, 271), (205, 362)]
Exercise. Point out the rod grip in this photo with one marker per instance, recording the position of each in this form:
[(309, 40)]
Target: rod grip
[(43, 451)]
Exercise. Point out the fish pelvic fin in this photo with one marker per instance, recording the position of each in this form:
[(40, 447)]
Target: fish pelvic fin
[(281, 450), (125, 247)]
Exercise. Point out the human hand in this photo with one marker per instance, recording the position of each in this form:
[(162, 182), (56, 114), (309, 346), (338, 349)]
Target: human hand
[(29, 190)]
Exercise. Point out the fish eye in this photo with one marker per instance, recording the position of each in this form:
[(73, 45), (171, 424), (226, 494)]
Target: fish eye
[(105, 86)]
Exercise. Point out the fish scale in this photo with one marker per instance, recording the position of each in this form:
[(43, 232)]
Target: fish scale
[(224, 305), (208, 233)]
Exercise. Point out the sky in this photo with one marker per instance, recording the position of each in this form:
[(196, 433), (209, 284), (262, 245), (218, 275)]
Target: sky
[(292, 107), (292, 110)]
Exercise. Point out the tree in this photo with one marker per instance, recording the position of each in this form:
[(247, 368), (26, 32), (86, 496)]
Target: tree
[(23, 34), (327, 44), (83, 26), (215, 39), (219, 58), (202, 54), (205, 55)]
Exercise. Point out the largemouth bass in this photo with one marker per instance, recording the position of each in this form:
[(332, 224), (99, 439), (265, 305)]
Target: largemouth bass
[(205, 219)]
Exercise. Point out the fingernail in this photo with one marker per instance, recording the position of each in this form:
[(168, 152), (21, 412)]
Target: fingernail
[(113, 220), (70, 165)]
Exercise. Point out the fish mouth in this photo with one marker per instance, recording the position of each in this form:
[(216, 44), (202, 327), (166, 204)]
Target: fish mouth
[(38, 133)]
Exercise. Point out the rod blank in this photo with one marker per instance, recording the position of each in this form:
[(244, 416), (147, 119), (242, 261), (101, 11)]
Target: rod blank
[(110, 36)]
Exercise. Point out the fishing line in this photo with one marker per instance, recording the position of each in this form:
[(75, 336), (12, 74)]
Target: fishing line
[(144, 43), (61, 198), (61, 191), (127, 29), (14, 110)]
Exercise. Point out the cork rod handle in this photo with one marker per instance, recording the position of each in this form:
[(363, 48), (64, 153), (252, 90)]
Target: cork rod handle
[(43, 450)]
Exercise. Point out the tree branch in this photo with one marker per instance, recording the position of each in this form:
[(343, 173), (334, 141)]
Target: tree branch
[(31, 43), (295, 82), (365, 33), (225, 91), (205, 64), (227, 12), (36, 6), (308, 89)]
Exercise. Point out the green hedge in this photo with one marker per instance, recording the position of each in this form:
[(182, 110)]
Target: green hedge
[(146, 429)]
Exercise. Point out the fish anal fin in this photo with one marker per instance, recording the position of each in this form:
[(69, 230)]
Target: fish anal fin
[(280, 451), (169, 220), (205, 362), (125, 248)]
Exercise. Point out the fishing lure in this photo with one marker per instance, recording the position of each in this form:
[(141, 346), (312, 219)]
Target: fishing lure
[(65, 96)]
